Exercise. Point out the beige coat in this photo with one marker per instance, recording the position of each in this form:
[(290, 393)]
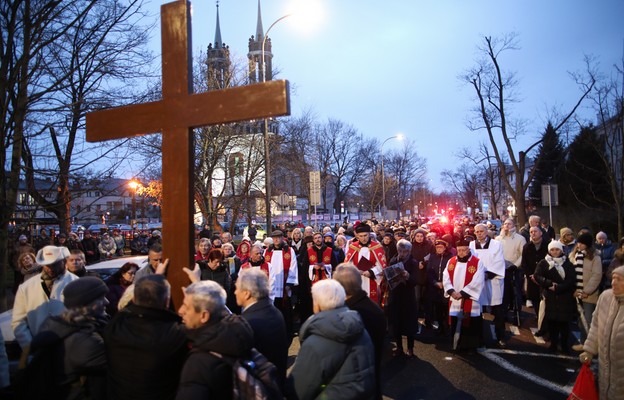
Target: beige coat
[(606, 338), (592, 275)]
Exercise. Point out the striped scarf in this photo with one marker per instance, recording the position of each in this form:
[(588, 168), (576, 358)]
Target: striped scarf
[(579, 257)]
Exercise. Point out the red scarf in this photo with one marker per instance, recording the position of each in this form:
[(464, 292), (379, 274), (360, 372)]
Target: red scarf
[(471, 269), (285, 262), (319, 274)]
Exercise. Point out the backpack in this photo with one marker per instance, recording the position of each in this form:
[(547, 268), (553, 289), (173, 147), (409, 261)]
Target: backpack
[(253, 377)]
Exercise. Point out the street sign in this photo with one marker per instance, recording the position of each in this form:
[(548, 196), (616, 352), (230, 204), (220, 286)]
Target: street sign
[(550, 196), (315, 188)]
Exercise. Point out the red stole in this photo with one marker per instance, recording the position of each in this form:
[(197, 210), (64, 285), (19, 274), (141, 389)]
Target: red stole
[(264, 267), (471, 269), (285, 262), (319, 274), (364, 265)]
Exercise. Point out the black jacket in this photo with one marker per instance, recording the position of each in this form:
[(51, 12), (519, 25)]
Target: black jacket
[(375, 323), (205, 376), (530, 257), (270, 336), (146, 348), (560, 303), (79, 355)]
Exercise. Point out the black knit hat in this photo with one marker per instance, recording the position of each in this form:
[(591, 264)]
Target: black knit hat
[(84, 291), (586, 239)]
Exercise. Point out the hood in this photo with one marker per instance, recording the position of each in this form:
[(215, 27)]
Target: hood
[(231, 336), (55, 328), (340, 325)]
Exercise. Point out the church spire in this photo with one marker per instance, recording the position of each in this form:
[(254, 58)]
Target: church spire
[(259, 29), (218, 43)]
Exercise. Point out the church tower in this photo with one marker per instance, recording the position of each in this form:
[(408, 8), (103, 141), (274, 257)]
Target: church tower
[(218, 61), (255, 53)]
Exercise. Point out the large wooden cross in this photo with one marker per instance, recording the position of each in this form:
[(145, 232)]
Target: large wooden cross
[(179, 111)]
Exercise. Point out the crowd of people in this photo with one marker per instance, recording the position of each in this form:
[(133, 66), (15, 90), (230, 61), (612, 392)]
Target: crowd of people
[(341, 290)]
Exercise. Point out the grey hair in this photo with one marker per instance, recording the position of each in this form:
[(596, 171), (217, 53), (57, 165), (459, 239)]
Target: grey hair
[(484, 226), (328, 294), (511, 220), (228, 245), (601, 234), (255, 281), (257, 246), (207, 296), (404, 245), (205, 240), (349, 277), (535, 217)]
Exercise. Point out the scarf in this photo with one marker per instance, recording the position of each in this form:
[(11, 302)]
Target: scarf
[(579, 257), (464, 259), (557, 263)]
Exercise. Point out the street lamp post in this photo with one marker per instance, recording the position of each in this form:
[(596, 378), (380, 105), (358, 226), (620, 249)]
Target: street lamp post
[(383, 177), (134, 185), (267, 160)]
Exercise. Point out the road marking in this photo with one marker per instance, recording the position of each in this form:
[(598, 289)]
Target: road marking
[(514, 330), (489, 354), (529, 353)]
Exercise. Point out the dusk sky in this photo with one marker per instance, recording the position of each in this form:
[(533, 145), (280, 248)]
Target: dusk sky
[(392, 67)]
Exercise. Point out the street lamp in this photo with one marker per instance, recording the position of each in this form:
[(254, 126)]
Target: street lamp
[(267, 160), (134, 185), (383, 177)]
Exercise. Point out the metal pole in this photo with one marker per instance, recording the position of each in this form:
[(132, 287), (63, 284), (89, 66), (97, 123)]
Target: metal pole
[(550, 205), (267, 162), (383, 187)]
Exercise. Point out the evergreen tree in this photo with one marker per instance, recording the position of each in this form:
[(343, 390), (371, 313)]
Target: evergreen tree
[(550, 154)]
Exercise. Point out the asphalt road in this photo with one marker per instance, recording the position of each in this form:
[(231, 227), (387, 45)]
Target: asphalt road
[(524, 369)]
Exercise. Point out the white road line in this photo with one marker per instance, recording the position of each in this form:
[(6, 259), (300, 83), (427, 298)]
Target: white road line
[(529, 353), (525, 374)]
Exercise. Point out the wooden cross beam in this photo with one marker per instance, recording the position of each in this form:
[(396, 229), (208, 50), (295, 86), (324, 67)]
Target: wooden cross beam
[(179, 111)]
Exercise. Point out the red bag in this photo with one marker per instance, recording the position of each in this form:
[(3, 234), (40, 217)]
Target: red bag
[(585, 385)]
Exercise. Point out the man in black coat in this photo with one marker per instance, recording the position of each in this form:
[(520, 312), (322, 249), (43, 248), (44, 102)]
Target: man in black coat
[(372, 315), (267, 322), (145, 345), (533, 252), (215, 334)]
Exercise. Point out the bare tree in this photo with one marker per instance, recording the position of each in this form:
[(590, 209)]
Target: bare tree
[(495, 91), (465, 181), (405, 171), (608, 100)]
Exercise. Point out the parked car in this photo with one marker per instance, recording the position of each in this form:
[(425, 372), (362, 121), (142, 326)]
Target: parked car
[(97, 228)]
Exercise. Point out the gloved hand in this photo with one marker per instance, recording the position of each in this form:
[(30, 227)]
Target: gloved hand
[(586, 357)]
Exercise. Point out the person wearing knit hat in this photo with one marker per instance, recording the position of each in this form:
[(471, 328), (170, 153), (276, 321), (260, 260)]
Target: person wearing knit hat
[(84, 291), (588, 268), (606, 339), (82, 367), (566, 237), (556, 277)]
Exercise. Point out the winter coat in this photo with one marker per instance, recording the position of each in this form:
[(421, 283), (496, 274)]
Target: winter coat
[(32, 306), (221, 275), (335, 360), (421, 252), (606, 339), (435, 268), (204, 375), (560, 304), (606, 252), (375, 323), (530, 257), (402, 304), (592, 276), (145, 348), (270, 336), (79, 356)]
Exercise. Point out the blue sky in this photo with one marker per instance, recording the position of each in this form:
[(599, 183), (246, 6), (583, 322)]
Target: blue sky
[(390, 67)]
